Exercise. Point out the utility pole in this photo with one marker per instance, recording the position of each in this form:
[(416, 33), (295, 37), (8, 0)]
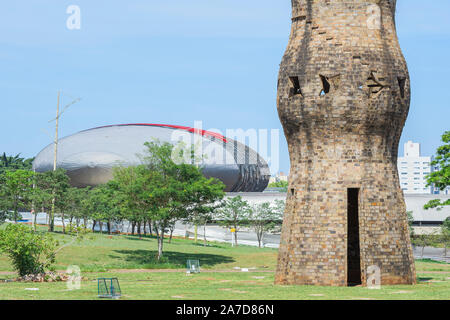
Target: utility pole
[(55, 156), (56, 133)]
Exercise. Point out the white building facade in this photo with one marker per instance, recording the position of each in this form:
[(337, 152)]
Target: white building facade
[(413, 170)]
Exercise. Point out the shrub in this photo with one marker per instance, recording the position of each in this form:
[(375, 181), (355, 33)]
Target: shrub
[(77, 230), (30, 252)]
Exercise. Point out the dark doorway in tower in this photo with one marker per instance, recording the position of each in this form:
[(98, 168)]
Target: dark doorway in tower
[(353, 249)]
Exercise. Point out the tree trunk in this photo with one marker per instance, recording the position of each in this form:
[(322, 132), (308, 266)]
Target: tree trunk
[(195, 232), (93, 225), (63, 223), (204, 235), (139, 228), (109, 226), (160, 244), (171, 232), (35, 220), (133, 225), (51, 226), (235, 238), (15, 213), (145, 226), (258, 234), (100, 223), (150, 227)]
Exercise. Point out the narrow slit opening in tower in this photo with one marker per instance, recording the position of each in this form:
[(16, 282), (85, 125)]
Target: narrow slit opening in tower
[(353, 247), (325, 85), (401, 84), (295, 89)]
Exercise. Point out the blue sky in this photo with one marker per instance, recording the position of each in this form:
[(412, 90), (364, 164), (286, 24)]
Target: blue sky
[(177, 61)]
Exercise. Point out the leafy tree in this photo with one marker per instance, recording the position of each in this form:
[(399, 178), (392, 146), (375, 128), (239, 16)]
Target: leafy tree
[(29, 251), (177, 190), (53, 186), (73, 205), (279, 184), (204, 198), (162, 191), (410, 217), (441, 178), (103, 205), (132, 193), (445, 231), (16, 192), (263, 218), (234, 214), (11, 163)]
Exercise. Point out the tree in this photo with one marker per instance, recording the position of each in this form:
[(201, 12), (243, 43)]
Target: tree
[(234, 214), (132, 189), (205, 195), (279, 184), (441, 178), (73, 204), (16, 192), (53, 186), (177, 190), (103, 205), (12, 163), (410, 217), (263, 218), (445, 233), (162, 191)]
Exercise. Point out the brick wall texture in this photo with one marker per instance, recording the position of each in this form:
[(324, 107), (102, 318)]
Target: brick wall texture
[(343, 99)]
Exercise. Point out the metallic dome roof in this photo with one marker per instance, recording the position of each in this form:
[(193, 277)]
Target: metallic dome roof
[(89, 155)]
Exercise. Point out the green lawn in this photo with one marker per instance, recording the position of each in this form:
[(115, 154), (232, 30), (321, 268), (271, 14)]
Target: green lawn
[(223, 286), (103, 256), (102, 252)]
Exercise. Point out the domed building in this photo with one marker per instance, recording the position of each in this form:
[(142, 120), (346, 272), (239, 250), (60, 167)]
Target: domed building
[(90, 155)]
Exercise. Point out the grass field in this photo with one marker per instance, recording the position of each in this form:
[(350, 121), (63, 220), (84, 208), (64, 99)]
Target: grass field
[(132, 261)]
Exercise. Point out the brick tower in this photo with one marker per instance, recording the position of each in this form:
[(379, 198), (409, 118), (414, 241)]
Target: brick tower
[(343, 98)]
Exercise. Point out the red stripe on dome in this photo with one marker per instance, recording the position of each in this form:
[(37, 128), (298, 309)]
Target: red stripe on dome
[(189, 129)]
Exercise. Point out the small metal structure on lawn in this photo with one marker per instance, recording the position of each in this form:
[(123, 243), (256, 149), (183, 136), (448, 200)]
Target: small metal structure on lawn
[(193, 266), (109, 288)]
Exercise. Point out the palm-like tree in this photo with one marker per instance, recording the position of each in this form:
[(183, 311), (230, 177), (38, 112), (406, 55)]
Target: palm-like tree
[(14, 163)]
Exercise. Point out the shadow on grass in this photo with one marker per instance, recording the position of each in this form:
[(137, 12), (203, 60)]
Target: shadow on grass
[(422, 279), (170, 259), (137, 237), (208, 245), (431, 261)]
